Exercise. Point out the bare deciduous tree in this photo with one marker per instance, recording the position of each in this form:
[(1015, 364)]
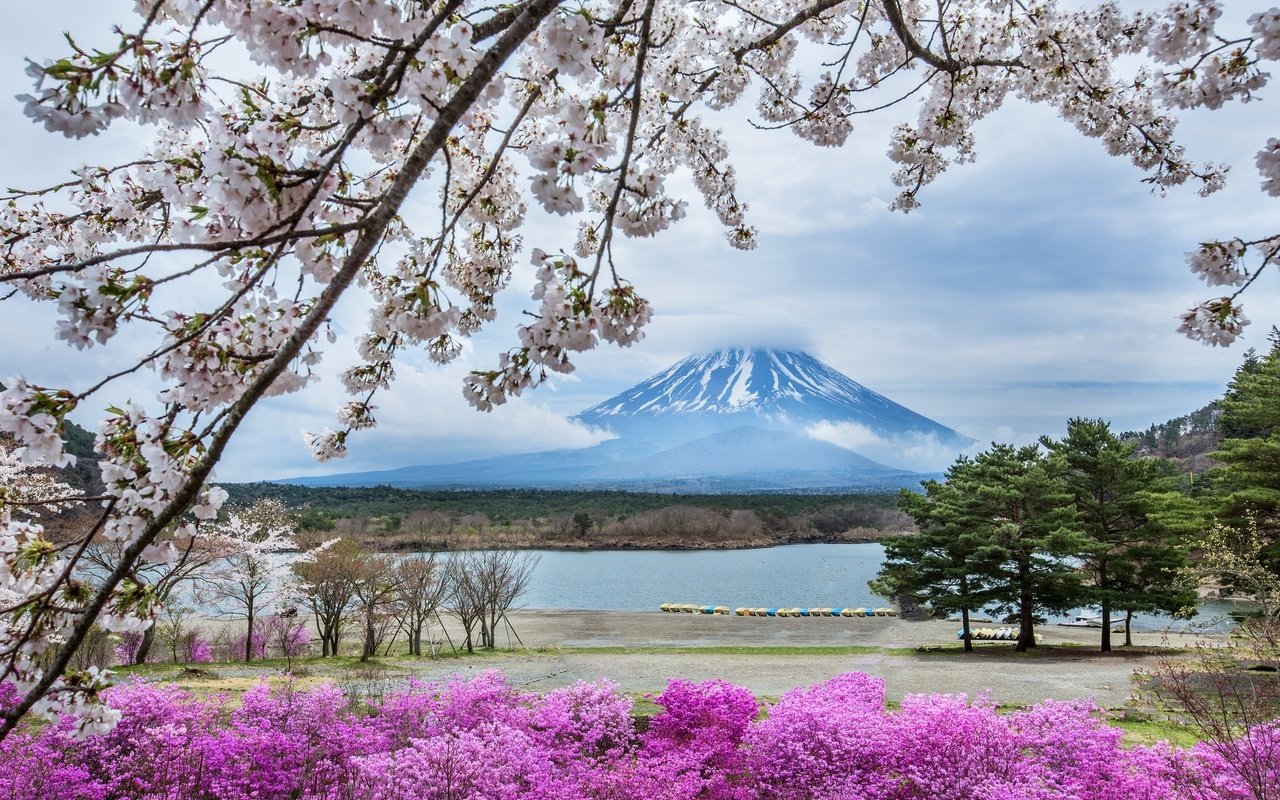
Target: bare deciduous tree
[(483, 586), (421, 590), (326, 588), (375, 587)]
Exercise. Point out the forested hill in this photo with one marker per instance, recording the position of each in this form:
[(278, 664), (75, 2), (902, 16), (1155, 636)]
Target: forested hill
[(1186, 439)]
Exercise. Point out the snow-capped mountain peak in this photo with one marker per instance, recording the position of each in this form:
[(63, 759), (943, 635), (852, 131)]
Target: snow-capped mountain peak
[(740, 380), (772, 389)]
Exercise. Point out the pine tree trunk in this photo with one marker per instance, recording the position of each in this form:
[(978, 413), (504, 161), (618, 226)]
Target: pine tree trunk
[(1128, 629), (1026, 622), (1106, 607), (968, 636)]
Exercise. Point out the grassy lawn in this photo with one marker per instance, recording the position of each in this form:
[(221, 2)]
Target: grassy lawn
[(727, 650), (1150, 731), (374, 679)]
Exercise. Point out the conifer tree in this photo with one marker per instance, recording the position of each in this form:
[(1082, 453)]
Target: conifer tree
[(937, 564), (1000, 532), (1249, 482), (1032, 534), (1125, 509)]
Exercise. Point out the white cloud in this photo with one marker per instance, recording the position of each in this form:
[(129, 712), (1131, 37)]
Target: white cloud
[(849, 435), (921, 452)]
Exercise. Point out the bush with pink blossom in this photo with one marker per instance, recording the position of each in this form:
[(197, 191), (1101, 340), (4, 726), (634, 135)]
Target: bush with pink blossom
[(484, 739)]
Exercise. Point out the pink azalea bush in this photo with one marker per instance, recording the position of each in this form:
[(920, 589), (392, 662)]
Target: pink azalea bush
[(197, 650), (257, 648), (483, 739)]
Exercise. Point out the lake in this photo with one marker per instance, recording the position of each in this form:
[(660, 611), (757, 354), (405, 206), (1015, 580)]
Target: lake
[(640, 580), (802, 575)]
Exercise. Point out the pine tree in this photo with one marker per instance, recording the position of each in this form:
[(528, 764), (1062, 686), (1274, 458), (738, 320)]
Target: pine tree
[(1126, 509), (1249, 481), (1032, 534), (999, 533), (937, 564)]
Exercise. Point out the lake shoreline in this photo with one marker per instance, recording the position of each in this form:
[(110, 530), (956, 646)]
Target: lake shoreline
[(521, 541)]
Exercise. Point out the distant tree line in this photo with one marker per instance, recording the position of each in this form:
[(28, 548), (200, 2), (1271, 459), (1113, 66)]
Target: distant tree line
[(391, 519)]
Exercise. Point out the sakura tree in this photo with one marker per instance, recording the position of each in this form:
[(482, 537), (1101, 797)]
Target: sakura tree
[(286, 139), (255, 568)]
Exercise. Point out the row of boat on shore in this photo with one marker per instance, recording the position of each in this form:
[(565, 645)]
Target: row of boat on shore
[(690, 608)]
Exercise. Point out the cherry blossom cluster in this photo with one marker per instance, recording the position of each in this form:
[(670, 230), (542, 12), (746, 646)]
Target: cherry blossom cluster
[(569, 320), (394, 149), (484, 739), (31, 572), (1208, 70)]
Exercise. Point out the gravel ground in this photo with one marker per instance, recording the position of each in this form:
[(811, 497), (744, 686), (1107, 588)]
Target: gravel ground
[(1009, 678)]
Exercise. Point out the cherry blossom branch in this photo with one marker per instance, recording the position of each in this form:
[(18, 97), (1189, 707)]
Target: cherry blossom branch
[(641, 53), (484, 71)]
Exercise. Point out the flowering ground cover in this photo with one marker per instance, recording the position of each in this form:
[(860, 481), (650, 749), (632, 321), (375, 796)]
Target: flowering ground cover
[(485, 739)]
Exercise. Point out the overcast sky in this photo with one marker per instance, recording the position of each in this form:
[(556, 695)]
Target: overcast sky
[(1042, 282)]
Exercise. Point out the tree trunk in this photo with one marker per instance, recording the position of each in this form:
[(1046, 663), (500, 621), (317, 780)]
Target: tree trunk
[(369, 645), (968, 635), (1128, 629), (1106, 607), (144, 646), (248, 639), (1026, 622), (324, 635)]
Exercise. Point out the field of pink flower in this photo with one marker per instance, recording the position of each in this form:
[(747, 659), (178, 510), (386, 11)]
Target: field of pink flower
[(484, 740)]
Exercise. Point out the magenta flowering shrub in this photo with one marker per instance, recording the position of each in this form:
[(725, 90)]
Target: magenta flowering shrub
[(197, 650), (127, 648), (257, 648), (948, 748), (281, 637), (829, 740), (482, 739), (1244, 769), (1068, 749), (695, 745)]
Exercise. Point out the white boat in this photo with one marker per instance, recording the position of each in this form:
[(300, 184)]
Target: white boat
[(1084, 621)]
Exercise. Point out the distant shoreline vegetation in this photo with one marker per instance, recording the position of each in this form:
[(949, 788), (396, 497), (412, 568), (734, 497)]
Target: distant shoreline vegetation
[(388, 518)]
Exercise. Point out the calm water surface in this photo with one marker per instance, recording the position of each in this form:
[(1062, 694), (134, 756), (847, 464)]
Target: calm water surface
[(802, 575), (640, 580)]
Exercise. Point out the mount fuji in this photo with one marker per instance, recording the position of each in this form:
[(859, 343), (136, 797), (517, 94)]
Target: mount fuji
[(736, 420), (773, 390)]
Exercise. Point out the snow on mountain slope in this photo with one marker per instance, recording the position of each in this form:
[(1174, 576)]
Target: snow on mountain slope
[(777, 390)]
